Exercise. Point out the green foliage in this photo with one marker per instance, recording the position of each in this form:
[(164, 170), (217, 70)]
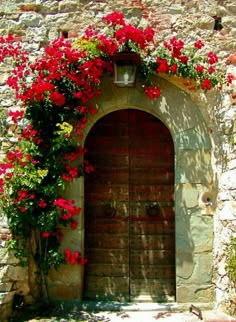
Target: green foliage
[(231, 260)]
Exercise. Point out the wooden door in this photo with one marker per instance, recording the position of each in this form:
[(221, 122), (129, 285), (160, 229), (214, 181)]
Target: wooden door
[(130, 247)]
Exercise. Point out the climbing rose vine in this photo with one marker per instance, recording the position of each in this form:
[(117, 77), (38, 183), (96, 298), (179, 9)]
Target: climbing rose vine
[(55, 92)]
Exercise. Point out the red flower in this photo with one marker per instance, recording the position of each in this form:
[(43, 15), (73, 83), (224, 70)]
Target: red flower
[(23, 209), (78, 95), (88, 167), (128, 32), (184, 59), (74, 155), (211, 70), (199, 69), (57, 98), (206, 84), (114, 18), (72, 173), (230, 78), (16, 115), (46, 234), (22, 194), (199, 44), (148, 34), (42, 203), (174, 68), (67, 254), (107, 45), (82, 261), (1, 185), (74, 224), (15, 155), (74, 258), (212, 58), (162, 65), (152, 91)]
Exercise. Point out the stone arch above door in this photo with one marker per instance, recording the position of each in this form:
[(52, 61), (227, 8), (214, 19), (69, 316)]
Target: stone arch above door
[(193, 177)]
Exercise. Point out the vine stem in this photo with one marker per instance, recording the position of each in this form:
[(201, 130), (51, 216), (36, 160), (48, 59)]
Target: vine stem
[(42, 275)]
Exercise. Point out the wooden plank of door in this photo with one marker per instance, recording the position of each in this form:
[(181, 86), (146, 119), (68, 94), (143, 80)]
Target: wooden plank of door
[(152, 245), (106, 224)]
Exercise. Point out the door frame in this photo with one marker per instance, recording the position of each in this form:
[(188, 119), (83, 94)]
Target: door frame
[(194, 178)]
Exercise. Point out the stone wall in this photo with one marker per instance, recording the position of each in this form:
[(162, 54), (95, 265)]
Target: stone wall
[(38, 22)]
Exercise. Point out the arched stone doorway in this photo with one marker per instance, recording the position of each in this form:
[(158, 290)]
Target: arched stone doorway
[(129, 209), (194, 177)]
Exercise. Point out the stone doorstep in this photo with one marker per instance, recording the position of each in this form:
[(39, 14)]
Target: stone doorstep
[(217, 316), (209, 314)]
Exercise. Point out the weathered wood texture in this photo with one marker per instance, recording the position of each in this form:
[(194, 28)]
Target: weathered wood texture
[(131, 255)]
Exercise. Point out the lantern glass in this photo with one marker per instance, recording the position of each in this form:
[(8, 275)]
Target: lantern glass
[(125, 74)]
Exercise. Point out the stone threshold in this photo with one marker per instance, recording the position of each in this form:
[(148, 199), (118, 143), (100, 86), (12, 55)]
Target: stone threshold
[(132, 306)]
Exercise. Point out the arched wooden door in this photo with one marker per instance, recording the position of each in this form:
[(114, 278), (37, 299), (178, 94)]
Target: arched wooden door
[(130, 247)]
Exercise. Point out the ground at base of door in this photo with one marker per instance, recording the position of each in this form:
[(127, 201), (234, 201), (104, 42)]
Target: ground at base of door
[(73, 315), (145, 316)]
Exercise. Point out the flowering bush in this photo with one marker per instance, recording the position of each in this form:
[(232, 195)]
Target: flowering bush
[(173, 57), (55, 92)]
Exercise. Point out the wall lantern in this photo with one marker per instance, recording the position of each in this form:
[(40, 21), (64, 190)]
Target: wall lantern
[(125, 67)]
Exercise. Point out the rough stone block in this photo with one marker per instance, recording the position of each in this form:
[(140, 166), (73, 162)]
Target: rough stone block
[(7, 257), (68, 6), (194, 167), (5, 311), (66, 274), (228, 180), (206, 22), (65, 292), (188, 194), (3, 273), (6, 297), (184, 266), (201, 231), (72, 239), (17, 273), (202, 273), (195, 294), (193, 139), (5, 287), (30, 19), (22, 288)]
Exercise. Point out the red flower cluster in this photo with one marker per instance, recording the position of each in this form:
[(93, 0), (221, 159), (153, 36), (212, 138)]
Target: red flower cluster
[(199, 44), (23, 195), (107, 45), (28, 133), (163, 66), (57, 98), (88, 167), (67, 208), (200, 69), (115, 18), (42, 203), (206, 84), (58, 234), (16, 116), (74, 155), (212, 58), (175, 46), (152, 91), (126, 32), (71, 173), (129, 32), (74, 258)]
